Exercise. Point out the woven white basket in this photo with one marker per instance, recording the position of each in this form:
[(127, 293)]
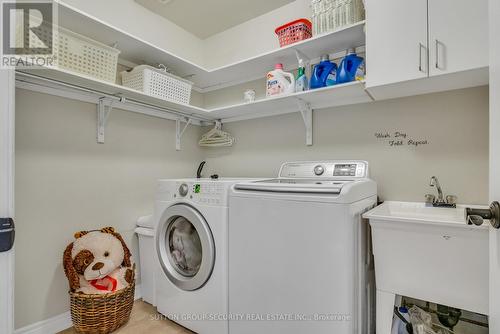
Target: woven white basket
[(330, 15), (158, 83), (78, 53)]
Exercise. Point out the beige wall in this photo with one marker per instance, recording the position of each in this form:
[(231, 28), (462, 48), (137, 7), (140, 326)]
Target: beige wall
[(66, 182), (455, 124)]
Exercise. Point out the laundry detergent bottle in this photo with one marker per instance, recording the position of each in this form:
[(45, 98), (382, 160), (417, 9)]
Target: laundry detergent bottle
[(279, 82), (351, 68), (324, 74), (301, 82)]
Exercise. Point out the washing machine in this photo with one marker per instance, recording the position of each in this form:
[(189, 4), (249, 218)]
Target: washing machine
[(299, 251), (191, 224)]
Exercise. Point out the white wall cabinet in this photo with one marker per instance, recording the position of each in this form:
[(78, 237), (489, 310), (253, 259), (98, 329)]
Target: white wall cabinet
[(458, 35), (396, 41), (407, 40)]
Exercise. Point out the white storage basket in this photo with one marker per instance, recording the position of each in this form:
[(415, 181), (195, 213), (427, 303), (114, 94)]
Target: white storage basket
[(330, 15), (158, 83), (84, 55), (78, 53)]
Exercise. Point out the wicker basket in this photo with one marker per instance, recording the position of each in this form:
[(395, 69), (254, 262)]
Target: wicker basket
[(101, 314)]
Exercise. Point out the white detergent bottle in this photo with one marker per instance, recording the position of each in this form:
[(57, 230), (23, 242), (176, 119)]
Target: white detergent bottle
[(279, 82)]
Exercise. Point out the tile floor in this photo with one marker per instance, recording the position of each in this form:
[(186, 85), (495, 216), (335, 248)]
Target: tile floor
[(144, 319)]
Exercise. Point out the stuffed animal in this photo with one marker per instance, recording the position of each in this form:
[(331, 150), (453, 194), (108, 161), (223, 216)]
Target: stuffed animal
[(98, 262)]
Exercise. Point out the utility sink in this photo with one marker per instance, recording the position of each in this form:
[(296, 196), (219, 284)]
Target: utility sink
[(428, 253), (413, 212)]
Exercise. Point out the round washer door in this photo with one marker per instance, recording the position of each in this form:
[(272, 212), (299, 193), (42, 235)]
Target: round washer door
[(185, 247)]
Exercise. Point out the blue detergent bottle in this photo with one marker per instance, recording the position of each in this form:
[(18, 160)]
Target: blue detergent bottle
[(324, 73), (351, 68)]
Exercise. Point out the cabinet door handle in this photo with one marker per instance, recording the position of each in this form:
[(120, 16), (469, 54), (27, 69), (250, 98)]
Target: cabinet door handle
[(420, 47), (438, 43)]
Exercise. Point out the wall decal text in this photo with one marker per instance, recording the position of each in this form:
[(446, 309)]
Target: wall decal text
[(400, 138)]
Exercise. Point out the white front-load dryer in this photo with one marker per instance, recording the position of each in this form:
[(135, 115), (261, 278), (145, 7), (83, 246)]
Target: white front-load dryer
[(191, 226)]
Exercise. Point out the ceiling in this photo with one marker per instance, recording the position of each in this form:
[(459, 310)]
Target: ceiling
[(205, 18)]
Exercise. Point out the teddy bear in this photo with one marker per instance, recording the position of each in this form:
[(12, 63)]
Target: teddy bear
[(98, 262)]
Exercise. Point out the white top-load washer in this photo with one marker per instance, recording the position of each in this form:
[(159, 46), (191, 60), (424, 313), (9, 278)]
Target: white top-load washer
[(190, 239), (299, 253)]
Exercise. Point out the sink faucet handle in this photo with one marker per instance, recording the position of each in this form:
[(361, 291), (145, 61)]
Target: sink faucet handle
[(430, 199), (451, 199)]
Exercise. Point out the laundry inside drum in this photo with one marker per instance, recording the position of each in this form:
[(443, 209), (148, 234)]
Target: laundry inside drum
[(185, 247)]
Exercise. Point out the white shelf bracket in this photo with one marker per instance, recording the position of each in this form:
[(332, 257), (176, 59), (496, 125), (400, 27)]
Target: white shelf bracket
[(307, 116), (104, 107), (179, 132)]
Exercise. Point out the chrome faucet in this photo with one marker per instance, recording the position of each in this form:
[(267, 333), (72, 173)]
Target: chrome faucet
[(435, 183), (440, 201)]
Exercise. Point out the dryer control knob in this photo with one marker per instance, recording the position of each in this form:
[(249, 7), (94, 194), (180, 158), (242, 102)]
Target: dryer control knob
[(183, 190), (319, 170)]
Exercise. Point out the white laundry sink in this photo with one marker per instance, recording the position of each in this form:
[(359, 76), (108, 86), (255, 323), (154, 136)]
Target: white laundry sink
[(430, 254), (411, 212)]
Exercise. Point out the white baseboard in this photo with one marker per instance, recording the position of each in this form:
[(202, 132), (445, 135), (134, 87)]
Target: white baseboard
[(138, 292), (59, 322), (52, 325)]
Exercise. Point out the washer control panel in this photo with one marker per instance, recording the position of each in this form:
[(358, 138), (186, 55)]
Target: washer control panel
[(344, 170), (210, 193), (325, 169)]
